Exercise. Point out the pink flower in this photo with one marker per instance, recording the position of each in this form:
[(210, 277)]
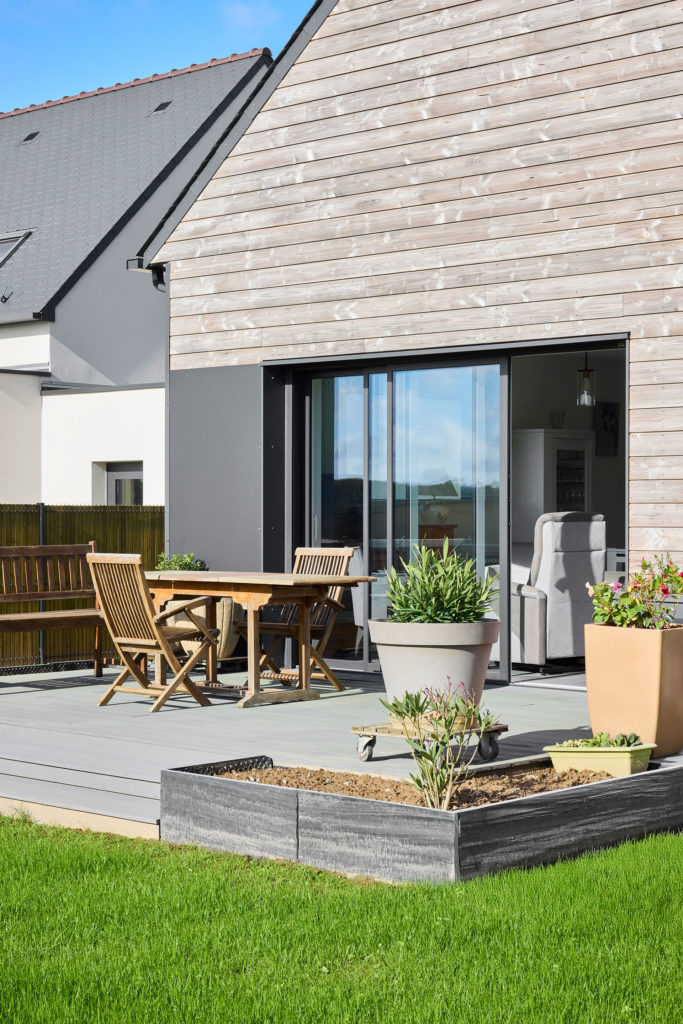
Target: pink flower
[(664, 591), (616, 586), (681, 574)]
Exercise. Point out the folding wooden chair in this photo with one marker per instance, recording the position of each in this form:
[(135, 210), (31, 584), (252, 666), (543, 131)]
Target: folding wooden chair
[(139, 632), (307, 562)]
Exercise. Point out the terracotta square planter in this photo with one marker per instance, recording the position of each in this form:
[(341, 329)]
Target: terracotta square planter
[(634, 681)]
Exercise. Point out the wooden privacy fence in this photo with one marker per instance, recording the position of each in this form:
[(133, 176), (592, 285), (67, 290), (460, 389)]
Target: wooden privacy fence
[(118, 528)]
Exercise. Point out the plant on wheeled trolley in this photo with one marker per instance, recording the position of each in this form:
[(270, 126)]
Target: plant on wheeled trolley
[(440, 726)]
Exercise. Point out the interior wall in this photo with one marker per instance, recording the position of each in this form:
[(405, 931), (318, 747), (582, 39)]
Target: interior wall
[(541, 383)]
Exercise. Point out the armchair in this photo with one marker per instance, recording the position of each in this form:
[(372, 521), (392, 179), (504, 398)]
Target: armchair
[(549, 610)]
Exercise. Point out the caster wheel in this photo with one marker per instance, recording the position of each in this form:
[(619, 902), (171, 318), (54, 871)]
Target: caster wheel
[(366, 746), (488, 747)]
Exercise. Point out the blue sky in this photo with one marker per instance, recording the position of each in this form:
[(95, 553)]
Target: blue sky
[(54, 48)]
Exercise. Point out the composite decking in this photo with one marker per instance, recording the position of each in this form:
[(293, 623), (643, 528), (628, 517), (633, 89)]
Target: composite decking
[(100, 767)]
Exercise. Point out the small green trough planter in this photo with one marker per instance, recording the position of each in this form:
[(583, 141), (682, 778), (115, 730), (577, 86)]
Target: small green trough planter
[(616, 761)]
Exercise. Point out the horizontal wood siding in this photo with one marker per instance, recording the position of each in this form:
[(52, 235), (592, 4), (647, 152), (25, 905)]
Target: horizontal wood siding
[(434, 173)]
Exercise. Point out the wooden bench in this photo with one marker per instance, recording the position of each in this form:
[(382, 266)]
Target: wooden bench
[(51, 572)]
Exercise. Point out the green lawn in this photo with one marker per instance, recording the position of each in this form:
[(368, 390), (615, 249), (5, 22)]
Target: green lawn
[(97, 928)]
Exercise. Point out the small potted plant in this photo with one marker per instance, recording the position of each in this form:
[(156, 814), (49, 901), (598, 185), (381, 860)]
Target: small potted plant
[(226, 611), (634, 661), (621, 755), (440, 625)]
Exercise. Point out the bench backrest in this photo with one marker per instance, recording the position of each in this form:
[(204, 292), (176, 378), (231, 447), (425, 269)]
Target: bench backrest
[(45, 572)]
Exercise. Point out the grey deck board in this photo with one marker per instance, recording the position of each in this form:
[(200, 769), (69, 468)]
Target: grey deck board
[(77, 798), (70, 777)]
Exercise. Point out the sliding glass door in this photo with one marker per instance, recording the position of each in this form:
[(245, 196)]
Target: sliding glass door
[(401, 456)]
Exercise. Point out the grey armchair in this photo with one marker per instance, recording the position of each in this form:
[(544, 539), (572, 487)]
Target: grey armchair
[(549, 611)]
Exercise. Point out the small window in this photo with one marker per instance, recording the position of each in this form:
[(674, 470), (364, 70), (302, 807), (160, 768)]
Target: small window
[(124, 483), (10, 243), (30, 136), (162, 106)]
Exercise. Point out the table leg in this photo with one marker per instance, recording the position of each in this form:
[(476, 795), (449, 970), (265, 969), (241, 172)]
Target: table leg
[(304, 639), (255, 696), (253, 650), (159, 670), (211, 656)]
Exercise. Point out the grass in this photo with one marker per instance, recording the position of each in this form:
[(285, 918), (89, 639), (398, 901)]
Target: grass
[(101, 929)]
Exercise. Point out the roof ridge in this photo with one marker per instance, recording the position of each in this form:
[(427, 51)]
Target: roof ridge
[(137, 81)]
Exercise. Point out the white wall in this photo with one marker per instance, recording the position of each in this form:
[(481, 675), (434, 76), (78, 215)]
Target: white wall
[(19, 438), (80, 429), (24, 345)]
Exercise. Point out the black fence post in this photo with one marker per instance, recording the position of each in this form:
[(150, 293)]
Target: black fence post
[(41, 541)]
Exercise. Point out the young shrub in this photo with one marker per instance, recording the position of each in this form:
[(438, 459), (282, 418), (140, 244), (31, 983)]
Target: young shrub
[(439, 587), (180, 563), (439, 727)]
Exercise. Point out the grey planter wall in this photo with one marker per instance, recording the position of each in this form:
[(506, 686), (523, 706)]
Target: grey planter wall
[(398, 843)]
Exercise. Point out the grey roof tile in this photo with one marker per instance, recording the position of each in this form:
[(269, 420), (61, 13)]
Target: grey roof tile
[(93, 157)]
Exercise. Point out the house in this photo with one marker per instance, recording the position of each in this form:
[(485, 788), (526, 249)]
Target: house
[(432, 289), (83, 340)]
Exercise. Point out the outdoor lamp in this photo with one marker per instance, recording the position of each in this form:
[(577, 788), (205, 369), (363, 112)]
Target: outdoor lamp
[(585, 385)]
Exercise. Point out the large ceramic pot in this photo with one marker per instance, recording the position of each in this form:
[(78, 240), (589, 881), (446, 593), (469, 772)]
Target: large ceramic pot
[(634, 682), (227, 613), (416, 655)]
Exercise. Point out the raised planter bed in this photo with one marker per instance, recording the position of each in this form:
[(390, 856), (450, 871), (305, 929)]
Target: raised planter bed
[(401, 843)]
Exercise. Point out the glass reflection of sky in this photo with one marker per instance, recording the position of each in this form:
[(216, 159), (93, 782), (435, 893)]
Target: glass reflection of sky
[(348, 435), (434, 424), (433, 427)]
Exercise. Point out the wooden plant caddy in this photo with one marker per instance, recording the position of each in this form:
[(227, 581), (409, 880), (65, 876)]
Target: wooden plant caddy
[(487, 748)]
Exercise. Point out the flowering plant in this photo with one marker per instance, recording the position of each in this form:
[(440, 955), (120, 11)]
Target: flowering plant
[(640, 603)]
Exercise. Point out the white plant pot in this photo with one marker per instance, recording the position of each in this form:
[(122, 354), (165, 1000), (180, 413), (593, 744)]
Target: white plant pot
[(416, 655)]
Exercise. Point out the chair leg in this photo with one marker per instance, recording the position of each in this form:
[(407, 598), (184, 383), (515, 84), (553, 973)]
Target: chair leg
[(132, 668), (181, 679), (326, 670), (98, 651), (113, 688)]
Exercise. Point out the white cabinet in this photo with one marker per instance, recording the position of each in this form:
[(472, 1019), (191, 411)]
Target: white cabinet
[(550, 472)]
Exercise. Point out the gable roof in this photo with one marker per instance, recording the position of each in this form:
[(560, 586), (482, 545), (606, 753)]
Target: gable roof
[(75, 170), (253, 103)]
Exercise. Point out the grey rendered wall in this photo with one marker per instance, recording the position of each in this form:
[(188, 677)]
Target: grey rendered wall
[(112, 327), (215, 465)]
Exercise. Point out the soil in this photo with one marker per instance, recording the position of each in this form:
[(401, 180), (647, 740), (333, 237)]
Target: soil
[(487, 788)]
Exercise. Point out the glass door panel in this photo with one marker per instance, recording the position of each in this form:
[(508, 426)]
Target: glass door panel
[(337, 475), (446, 468), (400, 457)]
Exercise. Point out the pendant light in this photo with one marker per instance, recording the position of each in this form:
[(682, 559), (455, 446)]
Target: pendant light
[(585, 385)]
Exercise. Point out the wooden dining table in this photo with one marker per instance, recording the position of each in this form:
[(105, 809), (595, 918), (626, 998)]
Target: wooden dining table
[(254, 591)]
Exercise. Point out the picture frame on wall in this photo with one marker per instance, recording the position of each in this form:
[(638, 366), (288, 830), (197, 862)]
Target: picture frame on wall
[(606, 428)]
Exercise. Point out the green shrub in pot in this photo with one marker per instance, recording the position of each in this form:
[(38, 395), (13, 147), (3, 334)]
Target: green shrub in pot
[(440, 623)]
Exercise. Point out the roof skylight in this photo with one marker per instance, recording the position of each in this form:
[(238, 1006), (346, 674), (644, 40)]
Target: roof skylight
[(162, 106), (10, 243)]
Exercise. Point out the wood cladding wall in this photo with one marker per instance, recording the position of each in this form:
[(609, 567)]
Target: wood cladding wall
[(440, 173)]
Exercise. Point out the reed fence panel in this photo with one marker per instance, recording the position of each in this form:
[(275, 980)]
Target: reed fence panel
[(118, 528)]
